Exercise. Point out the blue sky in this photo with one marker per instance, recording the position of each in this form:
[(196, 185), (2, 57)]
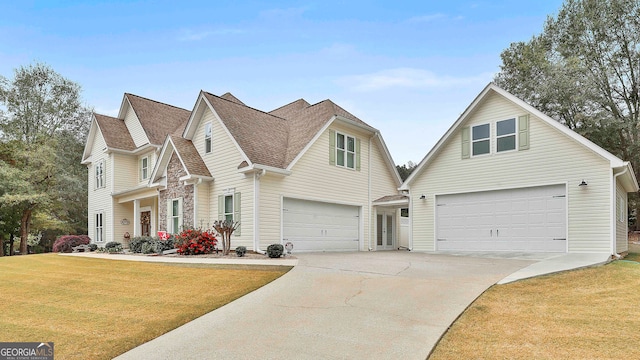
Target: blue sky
[(407, 68)]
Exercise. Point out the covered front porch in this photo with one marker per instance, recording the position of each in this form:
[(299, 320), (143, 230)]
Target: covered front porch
[(391, 223), (135, 214)]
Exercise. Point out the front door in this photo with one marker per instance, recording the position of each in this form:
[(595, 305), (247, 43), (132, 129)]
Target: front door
[(145, 223), (385, 230)]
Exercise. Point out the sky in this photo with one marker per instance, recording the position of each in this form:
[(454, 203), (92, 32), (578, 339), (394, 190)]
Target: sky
[(407, 68)]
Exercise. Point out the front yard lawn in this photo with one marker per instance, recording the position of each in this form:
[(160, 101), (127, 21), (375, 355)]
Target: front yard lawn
[(98, 309), (591, 313)]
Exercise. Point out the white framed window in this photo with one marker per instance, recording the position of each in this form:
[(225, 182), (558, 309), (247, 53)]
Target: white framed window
[(175, 215), (228, 207), (207, 138), (480, 139), (144, 167), (99, 234), (345, 151), (506, 135), (99, 169), (621, 209)]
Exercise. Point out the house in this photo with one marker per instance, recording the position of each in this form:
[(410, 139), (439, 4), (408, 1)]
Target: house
[(313, 175), (506, 177)]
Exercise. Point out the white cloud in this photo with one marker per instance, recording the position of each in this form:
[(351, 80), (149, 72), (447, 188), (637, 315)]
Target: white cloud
[(408, 78)]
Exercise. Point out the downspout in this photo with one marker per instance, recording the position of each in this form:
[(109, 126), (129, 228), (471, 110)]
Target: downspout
[(614, 209), (371, 218), (256, 211)]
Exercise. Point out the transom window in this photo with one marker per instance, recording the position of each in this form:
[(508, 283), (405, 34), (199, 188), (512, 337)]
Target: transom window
[(100, 183), (207, 138), (481, 139), (144, 168), (345, 151), (506, 135)]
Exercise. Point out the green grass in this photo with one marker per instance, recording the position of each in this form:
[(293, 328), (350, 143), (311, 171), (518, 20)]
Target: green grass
[(98, 309), (591, 313)]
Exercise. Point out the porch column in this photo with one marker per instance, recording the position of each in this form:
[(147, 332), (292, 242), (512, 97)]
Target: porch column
[(136, 218)]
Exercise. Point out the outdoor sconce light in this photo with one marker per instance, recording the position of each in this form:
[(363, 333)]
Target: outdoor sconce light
[(583, 183), (423, 197)]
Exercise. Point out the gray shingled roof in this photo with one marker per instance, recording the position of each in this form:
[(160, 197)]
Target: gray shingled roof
[(115, 132), (158, 119), (189, 155), (229, 96)]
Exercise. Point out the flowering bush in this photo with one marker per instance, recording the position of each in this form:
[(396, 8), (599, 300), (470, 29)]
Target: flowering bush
[(195, 242), (66, 243)]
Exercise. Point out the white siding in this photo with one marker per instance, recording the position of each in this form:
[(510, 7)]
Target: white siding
[(135, 128), (622, 241), (553, 158), (203, 219), (126, 172), (223, 164), (100, 199)]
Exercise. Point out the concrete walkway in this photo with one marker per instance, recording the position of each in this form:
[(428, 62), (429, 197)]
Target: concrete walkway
[(381, 305), (187, 260)]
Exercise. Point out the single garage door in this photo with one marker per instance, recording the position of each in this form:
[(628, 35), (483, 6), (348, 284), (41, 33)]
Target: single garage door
[(319, 226), (528, 219)]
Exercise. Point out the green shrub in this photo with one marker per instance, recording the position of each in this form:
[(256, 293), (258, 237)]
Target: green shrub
[(93, 247), (149, 244), (275, 250), (147, 248), (135, 245), (241, 250), (113, 247)]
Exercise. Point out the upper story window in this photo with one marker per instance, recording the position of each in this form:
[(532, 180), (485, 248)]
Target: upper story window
[(345, 151), (99, 168), (506, 135), (144, 168), (207, 138), (481, 139)]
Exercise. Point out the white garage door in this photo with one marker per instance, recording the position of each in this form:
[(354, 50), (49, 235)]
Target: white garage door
[(528, 219), (319, 226)]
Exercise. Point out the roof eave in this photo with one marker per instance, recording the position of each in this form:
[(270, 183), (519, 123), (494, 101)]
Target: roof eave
[(259, 167)]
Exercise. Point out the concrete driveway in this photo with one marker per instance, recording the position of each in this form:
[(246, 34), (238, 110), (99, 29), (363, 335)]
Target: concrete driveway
[(366, 305)]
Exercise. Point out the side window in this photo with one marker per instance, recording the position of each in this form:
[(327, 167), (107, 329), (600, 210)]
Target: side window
[(100, 183), (480, 139), (345, 151), (506, 135), (174, 215), (229, 206), (207, 138), (621, 209), (144, 168), (99, 235)]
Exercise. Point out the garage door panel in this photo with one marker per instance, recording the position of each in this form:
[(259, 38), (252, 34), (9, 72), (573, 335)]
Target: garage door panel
[(319, 226), (526, 219)]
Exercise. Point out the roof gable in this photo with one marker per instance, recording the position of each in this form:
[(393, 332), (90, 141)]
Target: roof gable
[(115, 132), (157, 119), (494, 89), (191, 161), (229, 96)]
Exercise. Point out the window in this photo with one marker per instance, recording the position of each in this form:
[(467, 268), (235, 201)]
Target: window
[(621, 209), (506, 135), (229, 207), (345, 151), (207, 138), (99, 235), (481, 143), (176, 215), (144, 168), (100, 183)]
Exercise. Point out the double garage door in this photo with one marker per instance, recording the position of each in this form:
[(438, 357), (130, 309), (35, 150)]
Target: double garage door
[(528, 219), (320, 226)]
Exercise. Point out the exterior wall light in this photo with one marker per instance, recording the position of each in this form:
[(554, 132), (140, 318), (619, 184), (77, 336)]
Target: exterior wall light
[(423, 197), (583, 183)]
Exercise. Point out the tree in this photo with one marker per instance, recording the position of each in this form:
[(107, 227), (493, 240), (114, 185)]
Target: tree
[(584, 71), (41, 115), (405, 170)]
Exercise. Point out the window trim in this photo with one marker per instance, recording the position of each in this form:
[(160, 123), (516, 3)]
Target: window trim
[(173, 217), (208, 131), (346, 151), (226, 213), (99, 227), (142, 168), (99, 173), (514, 134), (621, 209), (479, 140)]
